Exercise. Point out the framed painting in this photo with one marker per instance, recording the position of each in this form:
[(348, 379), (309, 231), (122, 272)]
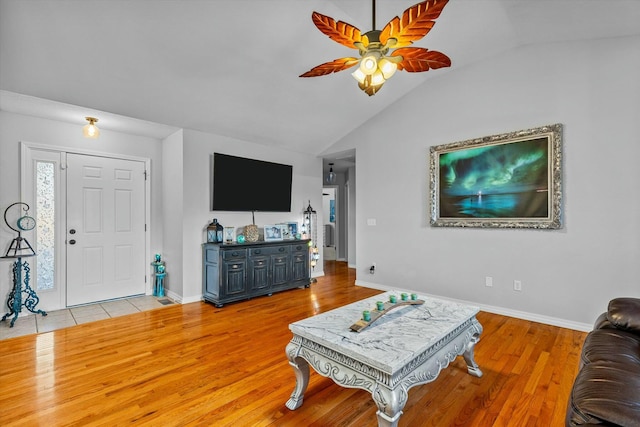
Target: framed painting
[(511, 180)]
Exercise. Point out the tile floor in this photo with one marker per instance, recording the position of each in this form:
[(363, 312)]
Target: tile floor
[(58, 319)]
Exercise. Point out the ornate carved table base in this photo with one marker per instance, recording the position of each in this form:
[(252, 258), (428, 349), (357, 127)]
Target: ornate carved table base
[(388, 385)]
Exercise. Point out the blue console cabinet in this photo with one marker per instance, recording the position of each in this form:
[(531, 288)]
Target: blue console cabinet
[(238, 271)]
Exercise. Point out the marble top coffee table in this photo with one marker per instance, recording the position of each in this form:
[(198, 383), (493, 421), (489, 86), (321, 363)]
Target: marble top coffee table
[(408, 346)]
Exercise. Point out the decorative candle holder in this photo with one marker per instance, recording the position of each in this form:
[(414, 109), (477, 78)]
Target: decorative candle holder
[(366, 316), (414, 297), (404, 296), (393, 299), (380, 305)]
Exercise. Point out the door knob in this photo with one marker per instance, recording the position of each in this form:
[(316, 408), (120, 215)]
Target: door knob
[(72, 231), (72, 242)]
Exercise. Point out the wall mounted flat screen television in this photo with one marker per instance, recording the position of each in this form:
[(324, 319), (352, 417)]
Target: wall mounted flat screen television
[(241, 184)]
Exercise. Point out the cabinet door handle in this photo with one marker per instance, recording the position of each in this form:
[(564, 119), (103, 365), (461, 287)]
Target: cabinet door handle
[(234, 266), (257, 251), (281, 249)]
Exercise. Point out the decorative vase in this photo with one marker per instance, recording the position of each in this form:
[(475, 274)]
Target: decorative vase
[(251, 233)]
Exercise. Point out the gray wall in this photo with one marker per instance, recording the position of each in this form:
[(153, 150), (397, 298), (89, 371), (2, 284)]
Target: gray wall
[(569, 275)]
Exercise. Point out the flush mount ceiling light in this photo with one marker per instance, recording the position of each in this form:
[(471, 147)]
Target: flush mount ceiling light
[(377, 62), (90, 130)]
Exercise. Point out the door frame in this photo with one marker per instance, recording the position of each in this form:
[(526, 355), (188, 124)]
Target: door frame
[(26, 195)]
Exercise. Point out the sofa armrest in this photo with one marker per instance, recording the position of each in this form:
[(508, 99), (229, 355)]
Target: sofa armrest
[(624, 313)]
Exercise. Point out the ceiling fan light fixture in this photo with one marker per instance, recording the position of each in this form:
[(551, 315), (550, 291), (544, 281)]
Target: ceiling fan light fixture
[(377, 78), (369, 63), (388, 68), (359, 76), (374, 67)]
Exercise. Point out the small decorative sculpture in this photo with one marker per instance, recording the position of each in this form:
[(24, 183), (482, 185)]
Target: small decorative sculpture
[(159, 273)]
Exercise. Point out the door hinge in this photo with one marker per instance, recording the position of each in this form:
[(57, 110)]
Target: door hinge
[(145, 227), (145, 174), (145, 279)]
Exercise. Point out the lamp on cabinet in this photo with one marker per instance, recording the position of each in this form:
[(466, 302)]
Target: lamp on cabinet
[(309, 231)]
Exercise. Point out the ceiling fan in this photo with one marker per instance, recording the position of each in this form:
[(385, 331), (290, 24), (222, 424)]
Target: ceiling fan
[(383, 52)]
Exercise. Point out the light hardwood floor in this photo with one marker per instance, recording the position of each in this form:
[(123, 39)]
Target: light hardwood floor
[(196, 365)]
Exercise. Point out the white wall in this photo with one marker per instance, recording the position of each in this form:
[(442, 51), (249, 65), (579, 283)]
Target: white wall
[(351, 217), (593, 89), (173, 211), (15, 128), (197, 150)]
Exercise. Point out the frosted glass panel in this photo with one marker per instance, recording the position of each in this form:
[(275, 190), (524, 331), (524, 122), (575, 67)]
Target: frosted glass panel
[(45, 219)]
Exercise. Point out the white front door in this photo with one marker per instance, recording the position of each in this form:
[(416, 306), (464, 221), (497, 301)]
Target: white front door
[(105, 230)]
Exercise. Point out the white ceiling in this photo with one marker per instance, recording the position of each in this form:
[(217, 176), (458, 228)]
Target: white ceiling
[(231, 67)]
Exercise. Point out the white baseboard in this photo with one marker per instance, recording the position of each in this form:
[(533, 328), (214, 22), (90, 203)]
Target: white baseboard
[(183, 300), (533, 317)]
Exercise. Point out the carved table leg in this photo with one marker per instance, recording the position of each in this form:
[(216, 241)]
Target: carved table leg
[(472, 366), (390, 404), (301, 369)]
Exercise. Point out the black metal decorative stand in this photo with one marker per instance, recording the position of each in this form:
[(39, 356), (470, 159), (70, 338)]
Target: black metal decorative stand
[(20, 248)]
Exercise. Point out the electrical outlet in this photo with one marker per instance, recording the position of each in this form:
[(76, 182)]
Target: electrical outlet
[(517, 285), (488, 281), (372, 269)]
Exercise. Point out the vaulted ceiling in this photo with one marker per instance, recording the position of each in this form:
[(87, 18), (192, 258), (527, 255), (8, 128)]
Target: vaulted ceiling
[(231, 67)]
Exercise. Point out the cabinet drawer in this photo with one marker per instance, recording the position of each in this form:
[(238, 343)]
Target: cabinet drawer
[(301, 247), (270, 250), (234, 253)]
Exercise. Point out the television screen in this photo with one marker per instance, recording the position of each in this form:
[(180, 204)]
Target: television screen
[(241, 184)]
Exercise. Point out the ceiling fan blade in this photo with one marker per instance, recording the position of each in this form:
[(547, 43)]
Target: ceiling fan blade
[(418, 59), (416, 22), (341, 32), (331, 67)]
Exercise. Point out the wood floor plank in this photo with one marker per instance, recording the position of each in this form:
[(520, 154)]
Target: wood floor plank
[(198, 365)]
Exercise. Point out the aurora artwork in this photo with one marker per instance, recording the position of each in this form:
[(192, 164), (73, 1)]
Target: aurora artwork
[(511, 180)]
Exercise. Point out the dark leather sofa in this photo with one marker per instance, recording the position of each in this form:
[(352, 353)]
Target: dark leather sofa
[(606, 391)]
